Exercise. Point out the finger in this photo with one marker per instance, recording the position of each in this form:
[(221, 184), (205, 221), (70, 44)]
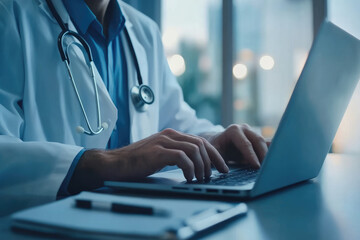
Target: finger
[(258, 143), (243, 144), (180, 137), (177, 157), (193, 153), (213, 155), (216, 158)]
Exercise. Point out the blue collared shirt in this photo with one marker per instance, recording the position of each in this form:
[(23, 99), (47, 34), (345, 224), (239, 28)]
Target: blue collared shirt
[(109, 58)]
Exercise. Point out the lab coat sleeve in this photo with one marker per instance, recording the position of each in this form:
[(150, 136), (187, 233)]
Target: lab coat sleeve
[(63, 191), (26, 167), (174, 111)]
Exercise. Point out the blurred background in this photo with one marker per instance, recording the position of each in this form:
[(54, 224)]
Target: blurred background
[(238, 60)]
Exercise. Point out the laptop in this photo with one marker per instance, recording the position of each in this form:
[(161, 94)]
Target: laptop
[(303, 137)]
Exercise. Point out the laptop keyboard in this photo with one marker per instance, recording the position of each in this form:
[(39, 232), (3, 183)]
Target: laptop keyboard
[(235, 177)]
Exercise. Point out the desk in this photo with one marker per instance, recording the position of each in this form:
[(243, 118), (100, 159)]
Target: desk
[(327, 207)]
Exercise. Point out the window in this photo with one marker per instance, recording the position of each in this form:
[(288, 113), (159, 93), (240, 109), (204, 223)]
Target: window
[(346, 14), (272, 40), (192, 40)]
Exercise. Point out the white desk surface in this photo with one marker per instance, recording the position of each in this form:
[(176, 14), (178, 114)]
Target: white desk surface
[(327, 207)]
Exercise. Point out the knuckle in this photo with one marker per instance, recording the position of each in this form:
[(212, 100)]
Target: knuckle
[(233, 130), (233, 127), (179, 154), (193, 148), (260, 139), (247, 144), (168, 131), (158, 151), (203, 140), (157, 148), (199, 142), (162, 139), (245, 126)]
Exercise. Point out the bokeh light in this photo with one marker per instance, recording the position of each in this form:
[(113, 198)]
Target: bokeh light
[(170, 39), (267, 62), (240, 71), (177, 64)]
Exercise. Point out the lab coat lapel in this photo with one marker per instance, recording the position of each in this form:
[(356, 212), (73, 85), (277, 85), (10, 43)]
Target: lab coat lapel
[(108, 109), (140, 125), (59, 6)]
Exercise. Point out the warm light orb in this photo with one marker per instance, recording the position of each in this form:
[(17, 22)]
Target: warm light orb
[(240, 71), (240, 104), (267, 62), (170, 39), (177, 65)]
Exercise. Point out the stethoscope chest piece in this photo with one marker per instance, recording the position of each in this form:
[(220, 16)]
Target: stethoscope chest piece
[(142, 96)]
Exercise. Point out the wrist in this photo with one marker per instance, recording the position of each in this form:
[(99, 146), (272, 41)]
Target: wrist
[(117, 165), (89, 172)]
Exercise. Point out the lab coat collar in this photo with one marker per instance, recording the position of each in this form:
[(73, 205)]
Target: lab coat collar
[(136, 118), (139, 49), (59, 6)]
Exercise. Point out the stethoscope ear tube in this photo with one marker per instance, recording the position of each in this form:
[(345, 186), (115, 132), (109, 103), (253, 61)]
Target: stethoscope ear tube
[(84, 44), (132, 50)]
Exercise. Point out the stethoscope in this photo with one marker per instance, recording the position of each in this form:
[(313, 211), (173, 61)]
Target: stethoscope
[(142, 95)]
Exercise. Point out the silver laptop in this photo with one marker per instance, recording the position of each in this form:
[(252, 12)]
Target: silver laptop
[(304, 135)]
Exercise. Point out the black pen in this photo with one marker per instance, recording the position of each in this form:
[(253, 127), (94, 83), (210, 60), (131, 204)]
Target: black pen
[(118, 207)]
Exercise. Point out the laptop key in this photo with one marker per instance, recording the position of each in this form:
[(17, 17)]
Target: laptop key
[(235, 177)]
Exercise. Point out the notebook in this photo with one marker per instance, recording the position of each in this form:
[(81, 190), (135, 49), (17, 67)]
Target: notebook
[(64, 219)]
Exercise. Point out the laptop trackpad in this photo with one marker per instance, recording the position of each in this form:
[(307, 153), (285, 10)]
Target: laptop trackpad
[(172, 177)]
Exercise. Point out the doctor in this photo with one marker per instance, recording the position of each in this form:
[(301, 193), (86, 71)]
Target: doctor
[(119, 117)]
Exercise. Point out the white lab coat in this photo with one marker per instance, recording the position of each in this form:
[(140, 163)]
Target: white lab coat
[(39, 111)]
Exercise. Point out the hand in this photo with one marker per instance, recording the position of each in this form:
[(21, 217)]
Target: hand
[(238, 143), (193, 155)]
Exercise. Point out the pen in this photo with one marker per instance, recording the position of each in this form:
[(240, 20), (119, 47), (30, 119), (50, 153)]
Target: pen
[(118, 207)]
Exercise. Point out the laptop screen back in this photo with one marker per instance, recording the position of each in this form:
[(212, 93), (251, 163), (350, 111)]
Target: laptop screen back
[(314, 112)]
